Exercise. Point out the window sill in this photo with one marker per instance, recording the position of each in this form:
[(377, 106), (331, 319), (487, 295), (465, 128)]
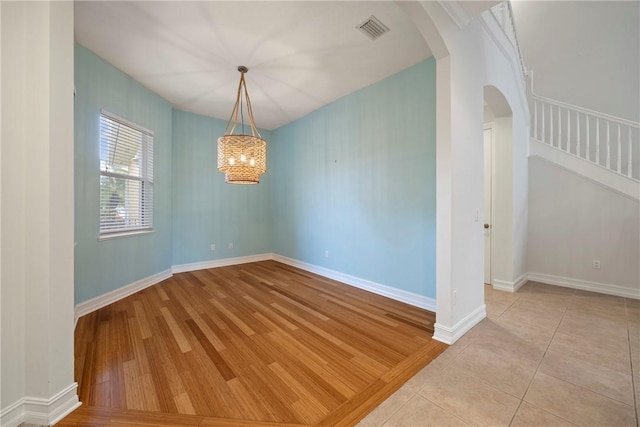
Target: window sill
[(110, 236)]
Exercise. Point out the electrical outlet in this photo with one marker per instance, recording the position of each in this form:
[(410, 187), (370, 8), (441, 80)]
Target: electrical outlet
[(596, 264), (213, 247), (326, 253), (454, 297), (230, 246)]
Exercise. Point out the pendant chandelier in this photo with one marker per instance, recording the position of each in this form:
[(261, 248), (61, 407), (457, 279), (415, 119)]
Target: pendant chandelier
[(241, 157)]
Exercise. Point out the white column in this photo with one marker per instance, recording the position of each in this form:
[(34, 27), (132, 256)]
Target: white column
[(12, 193), (38, 209), (443, 196)]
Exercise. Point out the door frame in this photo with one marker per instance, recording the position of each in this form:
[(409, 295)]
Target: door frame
[(491, 126)]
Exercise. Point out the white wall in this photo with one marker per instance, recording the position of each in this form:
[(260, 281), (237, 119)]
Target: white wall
[(586, 53), (37, 212), (594, 62), (470, 54), (477, 51), (573, 221), (502, 72)]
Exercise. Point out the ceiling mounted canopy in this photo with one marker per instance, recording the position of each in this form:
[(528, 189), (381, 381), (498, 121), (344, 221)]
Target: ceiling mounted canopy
[(241, 157)]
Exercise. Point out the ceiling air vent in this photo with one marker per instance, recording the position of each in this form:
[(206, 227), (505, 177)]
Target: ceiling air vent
[(373, 28)]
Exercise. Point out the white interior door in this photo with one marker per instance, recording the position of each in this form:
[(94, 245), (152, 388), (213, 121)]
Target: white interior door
[(488, 168)]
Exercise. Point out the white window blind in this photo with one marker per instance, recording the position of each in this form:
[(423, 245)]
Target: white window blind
[(126, 176)]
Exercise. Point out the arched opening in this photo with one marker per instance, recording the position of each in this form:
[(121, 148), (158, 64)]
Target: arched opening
[(497, 166), (460, 90)]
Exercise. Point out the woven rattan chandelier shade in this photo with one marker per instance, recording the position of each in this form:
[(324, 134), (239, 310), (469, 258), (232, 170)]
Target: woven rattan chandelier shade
[(242, 158)]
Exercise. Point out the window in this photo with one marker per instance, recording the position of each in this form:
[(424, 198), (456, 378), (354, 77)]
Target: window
[(126, 176)]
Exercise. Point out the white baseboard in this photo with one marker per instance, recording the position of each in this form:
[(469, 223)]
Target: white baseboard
[(181, 268), (367, 285), (377, 288), (12, 415), (33, 410), (505, 285), (117, 294), (602, 288), (450, 335), (123, 292)]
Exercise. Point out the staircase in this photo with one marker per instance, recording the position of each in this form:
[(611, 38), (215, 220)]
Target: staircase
[(600, 147), (583, 218)]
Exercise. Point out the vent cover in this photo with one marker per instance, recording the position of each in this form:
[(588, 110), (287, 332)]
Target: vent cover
[(373, 28)]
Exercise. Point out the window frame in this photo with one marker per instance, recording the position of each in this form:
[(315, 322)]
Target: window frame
[(145, 179)]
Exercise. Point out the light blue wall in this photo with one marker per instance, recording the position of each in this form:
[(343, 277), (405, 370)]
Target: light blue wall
[(357, 178), (103, 266), (205, 209)]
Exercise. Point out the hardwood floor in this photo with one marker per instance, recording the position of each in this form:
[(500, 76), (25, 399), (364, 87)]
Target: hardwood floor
[(259, 344)]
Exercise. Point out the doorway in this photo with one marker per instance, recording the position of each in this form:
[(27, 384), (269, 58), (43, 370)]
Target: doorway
[(488, 203), (498, 231)]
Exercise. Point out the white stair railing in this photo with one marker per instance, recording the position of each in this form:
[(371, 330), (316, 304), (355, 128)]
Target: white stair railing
[(607, 141)]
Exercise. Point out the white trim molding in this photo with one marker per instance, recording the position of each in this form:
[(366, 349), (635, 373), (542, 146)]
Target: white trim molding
[(449, 335), (367, 285), (117, 294), (13, 415), (505, 285), (123, 292), (203, 265), (602, 288), (40, 411), (493, 28), (456, 12)]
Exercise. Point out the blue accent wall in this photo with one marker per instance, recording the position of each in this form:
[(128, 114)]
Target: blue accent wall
[(205, 209), (357, 178), (105, 265)]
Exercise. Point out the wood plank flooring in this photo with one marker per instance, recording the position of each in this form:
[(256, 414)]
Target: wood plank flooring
[(261, 344)]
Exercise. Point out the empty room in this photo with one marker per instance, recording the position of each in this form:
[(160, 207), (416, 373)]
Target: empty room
[(310, 213)]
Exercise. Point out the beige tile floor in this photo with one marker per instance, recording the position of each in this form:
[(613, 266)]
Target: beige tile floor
[(544, 356)]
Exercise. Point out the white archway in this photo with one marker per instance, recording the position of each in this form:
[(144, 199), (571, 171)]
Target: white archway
[(501, 123), (468, 58)]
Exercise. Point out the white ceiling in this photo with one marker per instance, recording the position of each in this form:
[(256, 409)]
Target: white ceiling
[(301, 55)]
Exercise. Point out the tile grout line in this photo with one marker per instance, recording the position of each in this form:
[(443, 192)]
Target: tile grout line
[(447, 411), (581, 386), (573, 298), (541, 359), (616, 370), (414, 394), (386, 420), (436, 404), (444, 368), (509, 306), (615, 399)]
